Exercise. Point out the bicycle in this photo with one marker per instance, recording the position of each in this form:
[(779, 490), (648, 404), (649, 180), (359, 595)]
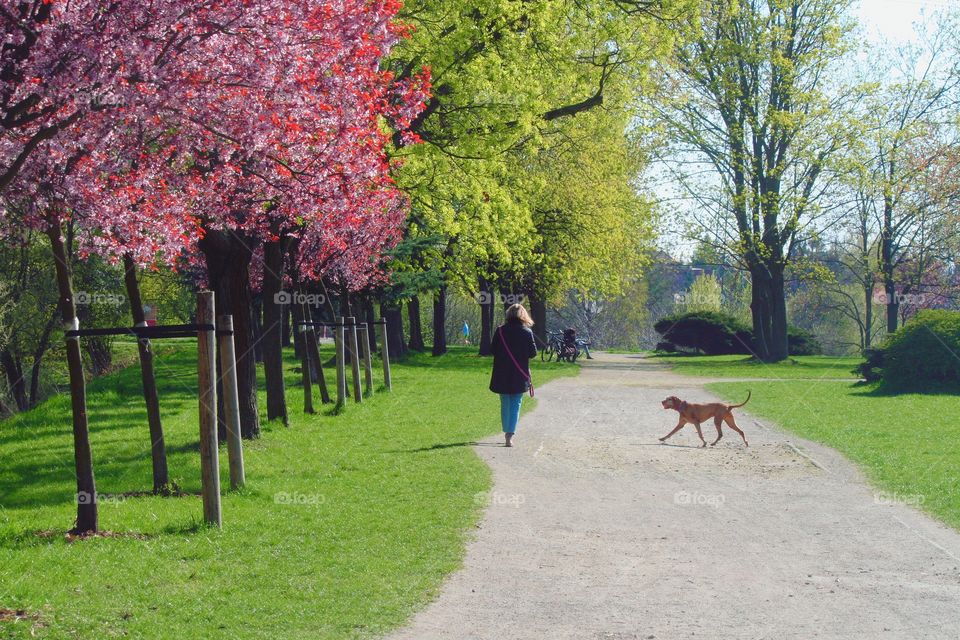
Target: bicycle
[(552, 346)]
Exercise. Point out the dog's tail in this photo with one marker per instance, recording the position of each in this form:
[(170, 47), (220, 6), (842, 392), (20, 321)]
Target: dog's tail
[(734, 406)]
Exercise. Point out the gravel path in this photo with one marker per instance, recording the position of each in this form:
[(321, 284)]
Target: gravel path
[(596, 531)]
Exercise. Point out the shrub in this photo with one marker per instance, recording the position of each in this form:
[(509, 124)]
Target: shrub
[(716, 333), (871, 369), (802, 343), (711, 332), (925, 351), (666, 347)]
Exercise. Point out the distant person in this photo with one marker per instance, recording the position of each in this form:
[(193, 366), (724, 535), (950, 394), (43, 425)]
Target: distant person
[(512, 346), (466, 333)]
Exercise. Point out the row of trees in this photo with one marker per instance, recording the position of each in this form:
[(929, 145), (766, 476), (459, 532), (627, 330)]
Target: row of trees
[(783, 149), (264, 147), (217, 133), (525, 186)]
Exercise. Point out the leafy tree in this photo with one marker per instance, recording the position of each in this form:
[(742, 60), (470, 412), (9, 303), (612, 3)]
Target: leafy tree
[(27, 300), (909, 130), (705, 294), (516, 87), (751, 104)]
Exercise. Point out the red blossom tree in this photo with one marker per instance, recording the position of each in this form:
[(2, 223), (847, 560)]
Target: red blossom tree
[(159, 127)]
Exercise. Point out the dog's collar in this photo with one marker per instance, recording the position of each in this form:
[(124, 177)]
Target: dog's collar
[(683, 405)]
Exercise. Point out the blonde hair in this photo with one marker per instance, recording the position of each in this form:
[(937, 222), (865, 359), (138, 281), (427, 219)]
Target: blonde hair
[(518, 312)]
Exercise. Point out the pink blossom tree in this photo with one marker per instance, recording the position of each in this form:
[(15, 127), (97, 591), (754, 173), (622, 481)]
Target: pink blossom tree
[(158, 127)]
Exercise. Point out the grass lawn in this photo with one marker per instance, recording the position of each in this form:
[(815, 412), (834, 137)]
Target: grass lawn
[(902, 442), (347, 525), (739, 366)]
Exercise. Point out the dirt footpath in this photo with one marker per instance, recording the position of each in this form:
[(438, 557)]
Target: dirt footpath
[(597, 531)]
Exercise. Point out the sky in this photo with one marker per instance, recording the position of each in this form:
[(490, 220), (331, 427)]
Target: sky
[(891, 20), (883, 21)]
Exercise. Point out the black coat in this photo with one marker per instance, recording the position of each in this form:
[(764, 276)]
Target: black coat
[(506, 377)]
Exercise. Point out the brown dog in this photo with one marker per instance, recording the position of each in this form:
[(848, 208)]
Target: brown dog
[(698, 413)]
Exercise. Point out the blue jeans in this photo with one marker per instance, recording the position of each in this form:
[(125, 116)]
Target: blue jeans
[(510, 411)]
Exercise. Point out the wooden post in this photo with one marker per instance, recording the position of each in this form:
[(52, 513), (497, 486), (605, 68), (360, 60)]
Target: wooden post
[(306, 368), (231, 401), (207, 378), (363, 330), (385, 355), (354, 358), (341, 370)]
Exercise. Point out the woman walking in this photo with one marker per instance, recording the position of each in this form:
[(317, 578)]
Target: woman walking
[(512, 347)]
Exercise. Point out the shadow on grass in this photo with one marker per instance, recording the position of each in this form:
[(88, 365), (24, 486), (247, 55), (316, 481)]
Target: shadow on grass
[(42, 470), (448, 445), (875, 390), (456, 358), (31, 484)]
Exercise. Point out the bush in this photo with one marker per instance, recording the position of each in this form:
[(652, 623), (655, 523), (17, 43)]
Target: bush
[(871, 369), (925, 351), (716, 334), (802, 343), (711, 332), (666, 347)]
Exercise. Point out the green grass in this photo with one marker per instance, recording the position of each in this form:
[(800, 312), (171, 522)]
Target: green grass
[(738, 366), (386, 496), (902, 442)]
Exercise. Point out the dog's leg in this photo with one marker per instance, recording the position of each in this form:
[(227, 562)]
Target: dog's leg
[(733, 425), (677, 428), (717, 422), (700, 433)]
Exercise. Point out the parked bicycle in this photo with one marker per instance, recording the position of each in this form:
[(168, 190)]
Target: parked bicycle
[(565, 346), (552, 346)]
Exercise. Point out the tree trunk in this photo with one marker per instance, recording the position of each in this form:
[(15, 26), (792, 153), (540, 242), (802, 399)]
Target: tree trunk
[(416, 328), (538, 311), (87, 519), (100, 354), (393, 314), (485, 298), (779, 348), (346, 308), (273, 315), (161, 478), (887, 266), (256, 312), (297, 315), (311, 344), (228, 268), (865, 343), (370, 317), (285, 335), (893, 304), (38, 353), (15, 381), (759, 311), (440, 321), (769, 310)]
